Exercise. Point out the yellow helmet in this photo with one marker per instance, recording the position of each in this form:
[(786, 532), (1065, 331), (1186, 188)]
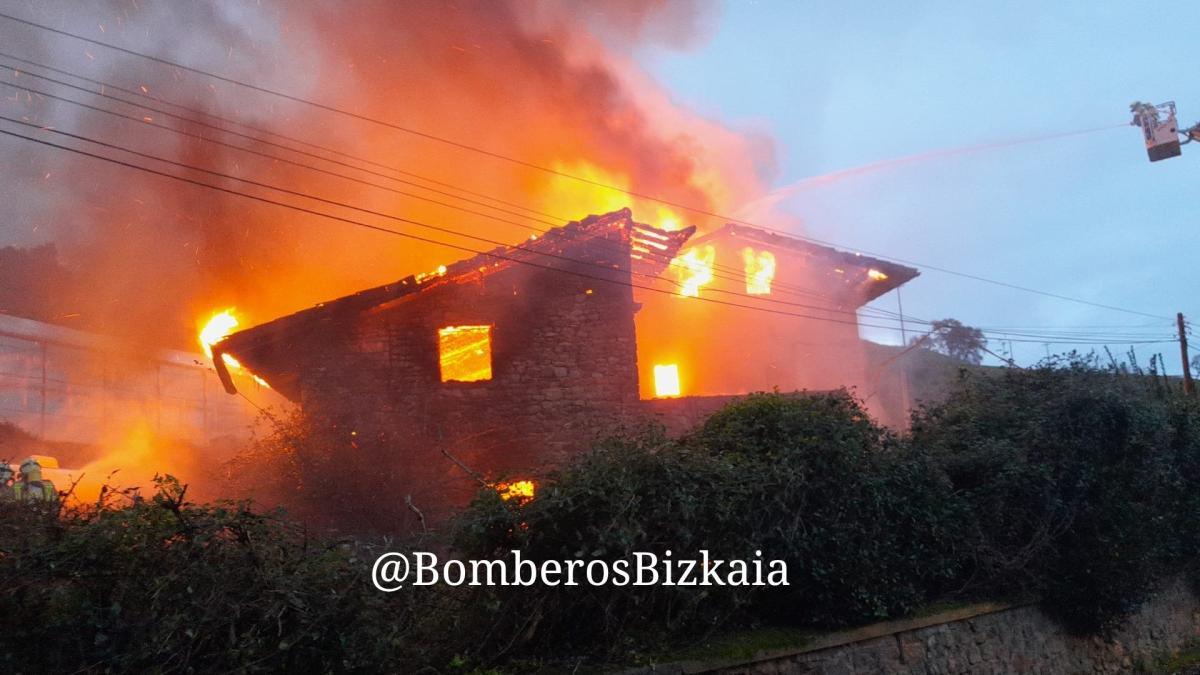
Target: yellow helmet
[(31, 470)]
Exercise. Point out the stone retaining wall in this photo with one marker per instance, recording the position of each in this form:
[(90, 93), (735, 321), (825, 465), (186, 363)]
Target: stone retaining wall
[(984, 639)]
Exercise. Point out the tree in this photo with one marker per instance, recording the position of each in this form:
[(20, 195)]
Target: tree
[(952, 338)]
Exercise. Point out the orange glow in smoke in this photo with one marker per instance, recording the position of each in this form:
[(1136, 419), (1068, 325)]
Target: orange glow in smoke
[(220, 325), (521, 490), (666, 219), (465, 353), (591, 196), (694, 269), (760, 271), (666, 380)]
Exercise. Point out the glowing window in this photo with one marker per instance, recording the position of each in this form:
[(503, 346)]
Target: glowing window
[(465, 353), (760, 271), (666, 380)]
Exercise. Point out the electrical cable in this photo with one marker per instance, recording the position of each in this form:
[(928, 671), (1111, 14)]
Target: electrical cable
[(150, 122), (527, 164), (493, 254)]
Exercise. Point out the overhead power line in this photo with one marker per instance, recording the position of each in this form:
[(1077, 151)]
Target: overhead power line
[(531, 165), (725, 272), (195, 113), (254, 139), (1008, 334), (866, 311), (785, 288), (346, 205), (407, 235), (453, 232), (493, 254)]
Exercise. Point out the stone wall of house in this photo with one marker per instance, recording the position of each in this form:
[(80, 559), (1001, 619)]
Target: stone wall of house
[(986, 639), (564, 370)]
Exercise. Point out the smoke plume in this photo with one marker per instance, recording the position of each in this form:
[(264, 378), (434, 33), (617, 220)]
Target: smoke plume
[(551, 84)]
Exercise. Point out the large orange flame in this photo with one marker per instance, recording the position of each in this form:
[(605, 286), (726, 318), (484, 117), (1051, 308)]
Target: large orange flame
[(694, 269), (760, 271), (221, 324)]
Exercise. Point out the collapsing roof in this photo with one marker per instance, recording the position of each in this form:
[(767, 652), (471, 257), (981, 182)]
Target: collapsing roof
[(264, 349), (888, 275)]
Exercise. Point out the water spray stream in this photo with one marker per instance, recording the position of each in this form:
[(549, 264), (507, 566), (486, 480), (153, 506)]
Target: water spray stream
[(782, 194)]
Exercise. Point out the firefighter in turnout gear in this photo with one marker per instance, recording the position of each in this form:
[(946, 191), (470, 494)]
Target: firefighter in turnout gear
[(6, 482), (30, 487)]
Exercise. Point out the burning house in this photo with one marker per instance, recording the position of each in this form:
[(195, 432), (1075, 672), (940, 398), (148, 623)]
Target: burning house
[(506, 358), (784, 316), (510, 358)]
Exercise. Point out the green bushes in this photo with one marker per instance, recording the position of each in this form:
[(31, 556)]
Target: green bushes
[(639, 493), (165, 586), (867, 531), (1068, 483), (1081, 485)]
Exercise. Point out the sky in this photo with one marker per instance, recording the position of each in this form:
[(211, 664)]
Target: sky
[(840, 85), (831, 86)]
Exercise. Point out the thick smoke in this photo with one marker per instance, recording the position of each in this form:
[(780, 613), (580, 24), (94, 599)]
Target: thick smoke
[(530, 80)]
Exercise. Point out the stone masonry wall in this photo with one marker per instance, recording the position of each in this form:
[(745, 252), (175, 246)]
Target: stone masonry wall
[(988, 640), (564, 370)]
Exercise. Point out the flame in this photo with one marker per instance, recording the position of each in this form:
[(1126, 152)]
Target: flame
[(465, 353), (666, 219), (220, 325), (422, 277), (760, 271), (574, 198), (876, 275), (521, 490), (694, 269), (666, 380)]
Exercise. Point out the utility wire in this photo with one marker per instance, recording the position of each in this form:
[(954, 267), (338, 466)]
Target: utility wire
[(193, 121), (150, 121), (445, 230), (534, 166), (866, 310), (378, 228), (881, 314), (194, 112), (493, 254)]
